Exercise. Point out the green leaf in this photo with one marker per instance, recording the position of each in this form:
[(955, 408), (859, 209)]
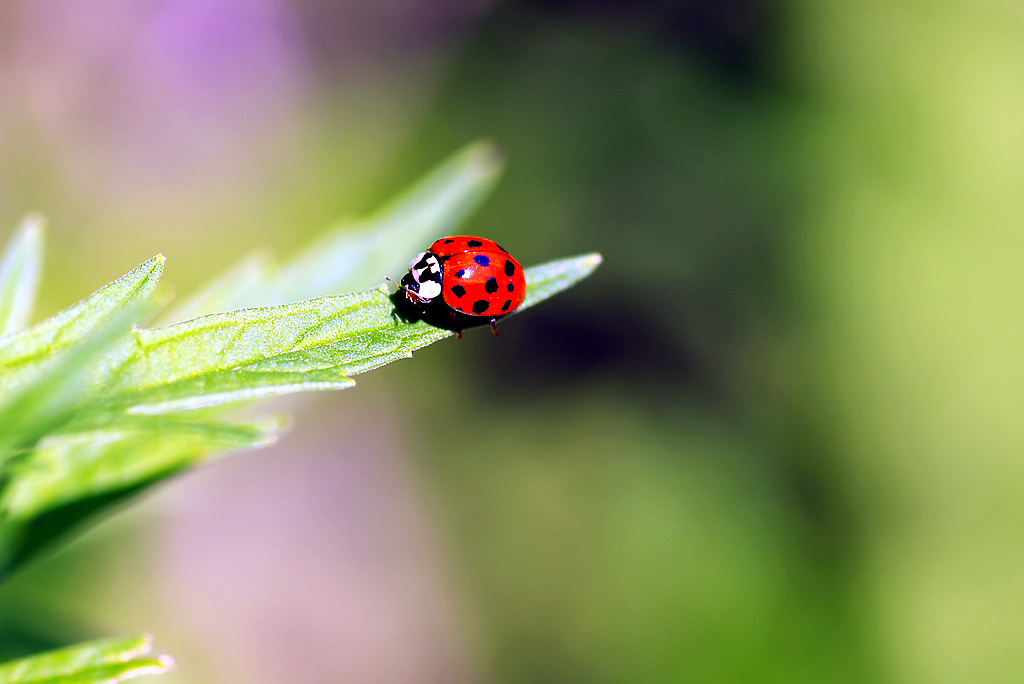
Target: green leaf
[(71, 475), (355, 255), (308, 345), (550, 278), (77, 322), (42, 396), (84, 462), (229, 385), (330, 337), (53, 367), (96, 662), (19, 274)]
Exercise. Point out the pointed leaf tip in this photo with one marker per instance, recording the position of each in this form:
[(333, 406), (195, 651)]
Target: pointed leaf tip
[(20, 269), (34, 223), (107, 660), (553, 277), (486, 156)]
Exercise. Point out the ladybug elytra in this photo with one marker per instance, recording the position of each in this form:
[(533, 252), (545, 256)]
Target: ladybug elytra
[(460, 282)]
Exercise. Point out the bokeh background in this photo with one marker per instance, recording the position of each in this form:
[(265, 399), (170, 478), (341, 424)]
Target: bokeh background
[(778, 437)]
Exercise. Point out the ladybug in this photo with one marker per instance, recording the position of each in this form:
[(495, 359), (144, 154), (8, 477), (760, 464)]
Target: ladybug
[(460, 282)]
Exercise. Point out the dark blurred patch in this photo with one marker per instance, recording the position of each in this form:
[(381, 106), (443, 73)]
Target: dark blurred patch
[(805, 465), (59, 522), (627, 134), (348, 36), (17, 641), (28, 628), (735, 37), (574, 341)]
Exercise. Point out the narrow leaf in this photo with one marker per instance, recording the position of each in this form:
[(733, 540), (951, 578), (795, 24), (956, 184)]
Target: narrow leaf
[(354, 255), (334, 336), (69, 477), (231, 385), (550, 278), (68, 466), (19, 274), (296, 347), (42, 396), (76, 322), (108, 660), (49, 369)]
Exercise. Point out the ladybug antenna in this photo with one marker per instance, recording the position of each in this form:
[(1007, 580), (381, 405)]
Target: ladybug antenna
[(401, 288), (408, 293)]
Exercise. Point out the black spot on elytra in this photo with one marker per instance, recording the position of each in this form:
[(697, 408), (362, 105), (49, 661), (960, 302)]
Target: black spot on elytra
[(511, 287), (491, 285), (508, 303), (461, 273), (448, 241), (458, 291), (480, 305), (475, 243), (482, 260), (510, 268)]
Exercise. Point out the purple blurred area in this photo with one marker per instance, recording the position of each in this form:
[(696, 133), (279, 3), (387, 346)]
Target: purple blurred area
[(316, 561), (129, 97)]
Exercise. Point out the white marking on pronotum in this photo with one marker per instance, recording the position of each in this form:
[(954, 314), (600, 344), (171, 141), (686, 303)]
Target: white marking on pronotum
[(426, 273), (429, 289)]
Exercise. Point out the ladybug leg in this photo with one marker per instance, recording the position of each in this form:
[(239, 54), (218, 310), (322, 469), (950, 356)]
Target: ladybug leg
[(413, 297), (494, 327), (458, 334)]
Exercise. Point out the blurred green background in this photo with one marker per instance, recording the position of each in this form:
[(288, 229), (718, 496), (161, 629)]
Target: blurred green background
[(777, 437)]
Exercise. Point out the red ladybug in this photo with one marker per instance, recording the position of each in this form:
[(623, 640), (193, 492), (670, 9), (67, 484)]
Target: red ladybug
[(461, 282)]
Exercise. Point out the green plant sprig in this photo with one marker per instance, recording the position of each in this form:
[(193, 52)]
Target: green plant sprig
[(95, 408), (107, 660)]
